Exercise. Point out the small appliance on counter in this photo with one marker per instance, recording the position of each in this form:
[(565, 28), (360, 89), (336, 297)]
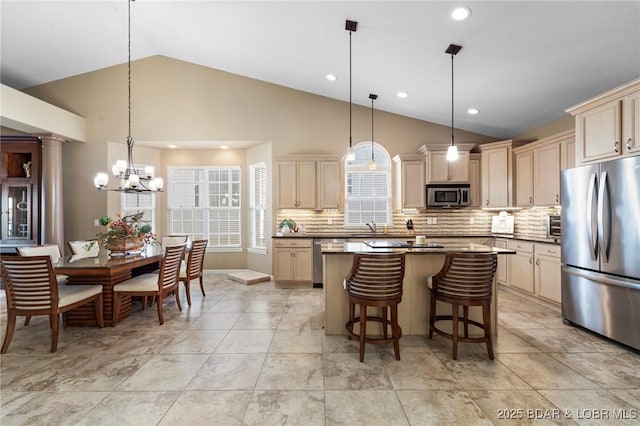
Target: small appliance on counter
[(502, 223)]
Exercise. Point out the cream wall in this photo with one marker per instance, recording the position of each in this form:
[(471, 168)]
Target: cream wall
[(551, 128), (177, 101)]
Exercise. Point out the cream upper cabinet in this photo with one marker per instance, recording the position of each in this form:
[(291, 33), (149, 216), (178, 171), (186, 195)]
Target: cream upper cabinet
[(546, 175), (631, 123), (568, 153), (439, 170), (296, 182), (524, 178), (474, 180), (409, 181), (607, 125), (329, 181), (497, 173)]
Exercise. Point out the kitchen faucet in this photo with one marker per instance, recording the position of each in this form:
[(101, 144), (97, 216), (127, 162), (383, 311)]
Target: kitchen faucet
[(372, 226)]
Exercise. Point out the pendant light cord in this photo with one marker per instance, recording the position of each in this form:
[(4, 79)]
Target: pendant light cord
[(452, 55), (350, 105), (130, 167), (372, 99)]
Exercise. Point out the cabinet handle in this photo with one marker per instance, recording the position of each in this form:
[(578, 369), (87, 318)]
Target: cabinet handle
[(530, 200), (629, 144), (557, 198), (531, 261), (487, 202), (538, 262), (615, 146)]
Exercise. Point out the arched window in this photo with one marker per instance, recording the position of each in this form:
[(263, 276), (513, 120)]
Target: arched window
[(368, 192)]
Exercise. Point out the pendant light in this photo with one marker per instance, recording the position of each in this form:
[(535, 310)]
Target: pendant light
[(351, 26), (452, 152), (131, 179), (372, 164)]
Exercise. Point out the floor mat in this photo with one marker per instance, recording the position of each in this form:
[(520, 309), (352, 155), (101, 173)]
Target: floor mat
[(249, 277)]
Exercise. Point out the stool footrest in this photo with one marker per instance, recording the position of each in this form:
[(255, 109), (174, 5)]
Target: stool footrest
[(460, 338)]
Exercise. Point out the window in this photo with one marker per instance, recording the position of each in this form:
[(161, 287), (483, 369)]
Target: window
[(204, 203), (140, 202), (258, 206), (368, 192)]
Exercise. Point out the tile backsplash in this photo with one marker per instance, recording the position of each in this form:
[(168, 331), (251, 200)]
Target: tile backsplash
[(530, 221)]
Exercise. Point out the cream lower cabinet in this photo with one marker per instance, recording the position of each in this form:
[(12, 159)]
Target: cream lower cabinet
[(501, 272), (293, 260), (520, 271), (547, 271)]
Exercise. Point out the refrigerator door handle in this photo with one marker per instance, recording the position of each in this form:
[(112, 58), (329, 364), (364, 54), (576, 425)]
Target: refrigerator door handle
[(604, 218), (592, 199)]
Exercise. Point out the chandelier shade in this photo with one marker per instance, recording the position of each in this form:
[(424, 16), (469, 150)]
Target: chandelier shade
[(130, 178), (452, 151)]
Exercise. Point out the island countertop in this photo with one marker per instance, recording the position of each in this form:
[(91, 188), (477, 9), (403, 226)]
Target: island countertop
[(331, 248)]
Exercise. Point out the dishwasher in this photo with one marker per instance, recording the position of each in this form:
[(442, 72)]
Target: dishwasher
[(317, 258)]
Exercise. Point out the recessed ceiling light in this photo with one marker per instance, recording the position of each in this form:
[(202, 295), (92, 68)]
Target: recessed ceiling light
[(172, 146), (473, 111), (402, 95), (461, 13), (331, 77), (224, 147)]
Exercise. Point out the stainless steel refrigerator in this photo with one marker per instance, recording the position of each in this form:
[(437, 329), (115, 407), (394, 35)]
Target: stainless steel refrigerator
[(601, 248)]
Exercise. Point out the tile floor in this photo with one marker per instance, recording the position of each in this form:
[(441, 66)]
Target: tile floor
[(256, 355)]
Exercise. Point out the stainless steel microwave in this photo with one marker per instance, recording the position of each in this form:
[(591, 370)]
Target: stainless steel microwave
[(448, 195)]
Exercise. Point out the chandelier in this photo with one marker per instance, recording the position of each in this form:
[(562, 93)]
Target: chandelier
[(131, 179)]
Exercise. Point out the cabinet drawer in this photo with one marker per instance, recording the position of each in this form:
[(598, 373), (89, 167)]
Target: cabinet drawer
[(293, 243), (551, 250), (520, 246)]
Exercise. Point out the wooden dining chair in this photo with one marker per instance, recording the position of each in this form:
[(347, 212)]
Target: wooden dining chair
[(193, 268), (157, 285), (32, 289), (466, 279), (174, 240)]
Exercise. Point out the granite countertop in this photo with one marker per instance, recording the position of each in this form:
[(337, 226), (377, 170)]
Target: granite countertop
[(352, 247), (405, 236)]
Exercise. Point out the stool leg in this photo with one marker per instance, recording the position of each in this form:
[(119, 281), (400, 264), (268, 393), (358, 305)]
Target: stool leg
[(352, 314), (384, 321), (454, 333), (486, 319), (432, 314), (395, 330), (465, 313), (363, 329)]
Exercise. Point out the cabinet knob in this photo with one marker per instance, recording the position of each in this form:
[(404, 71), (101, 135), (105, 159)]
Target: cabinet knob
[(530, 200), (487, 202), (615, 146), (557, 198), (629, 144)]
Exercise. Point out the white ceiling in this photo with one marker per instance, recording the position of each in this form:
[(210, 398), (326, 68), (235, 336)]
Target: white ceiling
[(522, 63)]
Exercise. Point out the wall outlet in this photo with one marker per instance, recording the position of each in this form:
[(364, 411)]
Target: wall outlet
[(471, 221), (429, 221), (329, 221), (435, 220)]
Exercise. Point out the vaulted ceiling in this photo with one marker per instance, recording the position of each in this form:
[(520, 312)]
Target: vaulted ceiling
[(521, 65)]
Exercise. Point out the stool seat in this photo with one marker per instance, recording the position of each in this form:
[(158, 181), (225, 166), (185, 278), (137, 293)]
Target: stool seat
[(375, 280), (466, 279)]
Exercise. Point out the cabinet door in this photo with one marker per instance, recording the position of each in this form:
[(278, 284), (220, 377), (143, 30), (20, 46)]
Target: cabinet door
[(495, 177), (568, 154), (521, 271), (459, 169), (547, 278), (501, 272), (438, 167), (283, 264), (302, 265), (286, 181), (413, 185), (598, 132), (18, 214), (631, 123), (546, 175), (329, 184), (524, 178), (306, 184), (474, 182)]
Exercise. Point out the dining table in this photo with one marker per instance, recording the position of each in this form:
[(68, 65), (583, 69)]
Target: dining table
[(107, 271)]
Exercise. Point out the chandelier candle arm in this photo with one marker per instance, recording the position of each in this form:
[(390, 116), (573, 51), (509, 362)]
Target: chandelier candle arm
[(131, 179)]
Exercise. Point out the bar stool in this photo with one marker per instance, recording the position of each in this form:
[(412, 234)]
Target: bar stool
[(375, 280), (466, 279)]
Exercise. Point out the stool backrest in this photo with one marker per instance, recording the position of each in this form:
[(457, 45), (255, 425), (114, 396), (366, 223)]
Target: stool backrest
[(468, 275), (376, 276)]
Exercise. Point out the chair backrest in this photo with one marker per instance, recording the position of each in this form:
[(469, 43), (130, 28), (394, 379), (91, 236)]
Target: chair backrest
[(376, 276), (84, 248), (466, 275), (174, 240), (170, 266), (51, 250), (30, 283), (196, 258)]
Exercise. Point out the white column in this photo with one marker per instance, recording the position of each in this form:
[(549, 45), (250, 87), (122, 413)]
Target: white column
[(52, 213)]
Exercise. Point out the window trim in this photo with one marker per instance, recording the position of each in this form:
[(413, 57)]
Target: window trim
[(251, 245)]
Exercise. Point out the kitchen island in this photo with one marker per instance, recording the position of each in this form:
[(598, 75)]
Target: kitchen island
[(420, 262)]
